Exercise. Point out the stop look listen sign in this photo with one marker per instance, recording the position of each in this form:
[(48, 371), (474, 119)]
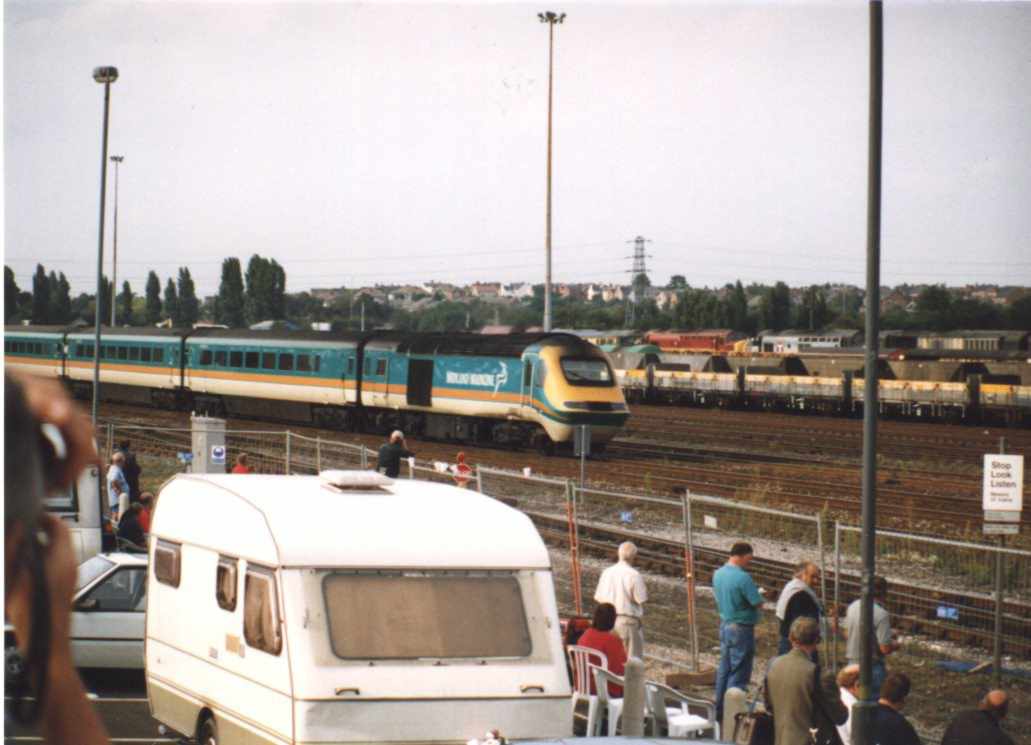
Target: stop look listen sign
[(1003, 489)]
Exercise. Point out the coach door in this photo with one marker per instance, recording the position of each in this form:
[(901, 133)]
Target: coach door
[(420, 382), (526, 386)]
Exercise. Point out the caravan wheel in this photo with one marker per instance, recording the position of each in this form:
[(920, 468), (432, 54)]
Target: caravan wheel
[(207, 733)]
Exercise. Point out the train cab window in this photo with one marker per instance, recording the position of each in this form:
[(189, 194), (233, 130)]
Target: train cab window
[(205, 356), (134, 353), (586, 371), (220, 358), (303, 363), (236, 359), (123, 353), (286, 362), (156, 356), (381, 367), (268, 361), (251, 360), (145, 354)]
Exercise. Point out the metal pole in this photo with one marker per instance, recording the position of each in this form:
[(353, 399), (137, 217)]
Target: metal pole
[(100, 256), (864, 709), (837, 592), (286, 468), (583, 454), (689, 576), (318, 454), (365, 457), (114, 260), (823, 584), (547, 225), (997, 636), (479, 480)]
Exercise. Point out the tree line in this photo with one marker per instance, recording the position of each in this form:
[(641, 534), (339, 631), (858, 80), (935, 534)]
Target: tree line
[(240, 301)]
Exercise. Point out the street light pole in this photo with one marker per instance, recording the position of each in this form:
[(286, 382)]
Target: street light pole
[(551, 19), (116, 159), (106, 76)]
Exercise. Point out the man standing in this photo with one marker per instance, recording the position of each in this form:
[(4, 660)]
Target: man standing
[(623, 586), (889, 726), (882, 642), (738, 601), (798, 599), (131, 470), (983, 725), (796, 695), (116, 483), (390, 455), (241, 466)]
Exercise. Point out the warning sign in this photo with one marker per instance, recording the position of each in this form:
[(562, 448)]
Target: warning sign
[(1004, 483), (218, 454)]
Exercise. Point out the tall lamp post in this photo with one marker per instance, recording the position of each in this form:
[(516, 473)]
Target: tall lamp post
[(551, 19), (104, 76), (117, 160)]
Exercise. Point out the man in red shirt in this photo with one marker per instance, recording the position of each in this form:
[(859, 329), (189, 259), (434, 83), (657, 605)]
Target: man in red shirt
[(241, 464), (146, 506), (600, 637)]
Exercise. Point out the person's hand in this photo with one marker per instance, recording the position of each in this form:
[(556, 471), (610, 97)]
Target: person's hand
[(59, 572), (49, 403)]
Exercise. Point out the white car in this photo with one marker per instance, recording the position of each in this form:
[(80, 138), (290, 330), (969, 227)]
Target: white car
[(108, 614)]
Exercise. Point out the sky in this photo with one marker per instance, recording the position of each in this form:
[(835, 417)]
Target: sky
[(385, 143)]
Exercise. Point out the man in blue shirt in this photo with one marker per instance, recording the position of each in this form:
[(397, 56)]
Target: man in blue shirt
[(738, 601)]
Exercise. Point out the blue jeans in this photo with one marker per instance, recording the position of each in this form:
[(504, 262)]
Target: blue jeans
[(737, 651)]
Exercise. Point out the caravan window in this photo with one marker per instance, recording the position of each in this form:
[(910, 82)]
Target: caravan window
[(225, 583), (167, 562), (432, 615), (261, 611)]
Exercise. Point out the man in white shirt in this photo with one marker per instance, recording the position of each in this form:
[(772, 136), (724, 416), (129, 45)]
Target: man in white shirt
[(623, 586), (116, 482), (848, 687)]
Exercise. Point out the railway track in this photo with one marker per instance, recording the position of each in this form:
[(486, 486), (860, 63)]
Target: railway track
[(912, 606)]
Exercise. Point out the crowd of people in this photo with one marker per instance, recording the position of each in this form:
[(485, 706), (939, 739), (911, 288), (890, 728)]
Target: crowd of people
[(808, 707)]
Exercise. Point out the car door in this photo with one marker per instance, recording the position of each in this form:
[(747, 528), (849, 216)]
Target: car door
[(108, 621)]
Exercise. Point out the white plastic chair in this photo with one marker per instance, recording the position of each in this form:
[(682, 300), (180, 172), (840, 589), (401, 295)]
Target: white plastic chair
[(678, 721), (613, 706), (580, 660)]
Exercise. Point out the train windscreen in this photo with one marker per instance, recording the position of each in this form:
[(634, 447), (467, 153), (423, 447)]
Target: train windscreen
[(586, 371)]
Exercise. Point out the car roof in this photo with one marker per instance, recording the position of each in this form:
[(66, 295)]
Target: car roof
[(301, 521), (126, 559)]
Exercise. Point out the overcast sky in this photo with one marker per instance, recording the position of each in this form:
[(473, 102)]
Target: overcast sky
[(372, 143)]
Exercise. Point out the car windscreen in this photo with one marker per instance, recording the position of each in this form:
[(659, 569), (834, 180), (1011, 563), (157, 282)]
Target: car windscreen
[(586, 371), (90, 569), (437, 615)]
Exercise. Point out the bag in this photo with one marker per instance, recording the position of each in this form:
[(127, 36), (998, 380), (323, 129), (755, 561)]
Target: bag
[(753, 728)]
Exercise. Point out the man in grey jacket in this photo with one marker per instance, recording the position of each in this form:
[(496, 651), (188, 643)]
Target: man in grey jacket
[(799, 699)]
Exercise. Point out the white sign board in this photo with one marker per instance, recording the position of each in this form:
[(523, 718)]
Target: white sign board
[(1004, 482), (1002, 529)]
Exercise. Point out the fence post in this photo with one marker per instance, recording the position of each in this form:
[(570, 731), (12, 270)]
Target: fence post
[(823, 581), (574, 558), (997, 635), (318, 454), (479, 480), (689, 576), (365, 457), (286, 466), (110, 439), (837, 592)]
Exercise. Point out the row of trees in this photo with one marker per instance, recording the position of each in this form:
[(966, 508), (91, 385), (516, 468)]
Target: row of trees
[(259, 294)]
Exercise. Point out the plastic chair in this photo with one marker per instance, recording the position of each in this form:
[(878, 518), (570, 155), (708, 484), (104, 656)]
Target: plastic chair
[(580, 660), (613, 706), (678, 721)]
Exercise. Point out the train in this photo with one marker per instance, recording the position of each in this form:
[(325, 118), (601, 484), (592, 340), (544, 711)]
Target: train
[(519, 390), (787, 386)]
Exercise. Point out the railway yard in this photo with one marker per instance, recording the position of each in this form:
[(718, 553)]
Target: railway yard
[(929, 483)]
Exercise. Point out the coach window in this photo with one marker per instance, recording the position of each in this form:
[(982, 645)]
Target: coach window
[(134, 354), (261, 611), (381, 367), (303, 363), (367, 366), (225, 583), (220, 358), (268, 361), (251, 360), (123, 353), (236, 359), (286, 362), (167, 562), (156, 357), (205, 356), (145, 354), (316, 362)]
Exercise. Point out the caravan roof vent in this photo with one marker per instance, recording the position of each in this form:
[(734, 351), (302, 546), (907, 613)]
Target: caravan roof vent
[(355, 480)]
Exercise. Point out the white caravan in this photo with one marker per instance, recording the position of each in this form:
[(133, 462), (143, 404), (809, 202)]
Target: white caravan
[(349, 608)]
